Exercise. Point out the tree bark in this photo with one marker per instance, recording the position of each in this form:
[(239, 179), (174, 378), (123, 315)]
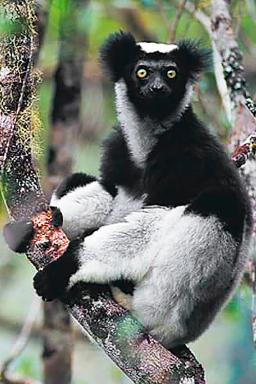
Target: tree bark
[(65, 121), (243, 109)]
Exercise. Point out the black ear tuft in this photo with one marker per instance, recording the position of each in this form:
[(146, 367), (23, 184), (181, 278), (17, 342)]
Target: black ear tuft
[(119, 50), (193, 57)]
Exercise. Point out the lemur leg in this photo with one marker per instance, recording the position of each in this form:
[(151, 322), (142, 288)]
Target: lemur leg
[(124, 250), (116, 251), (84, 203)]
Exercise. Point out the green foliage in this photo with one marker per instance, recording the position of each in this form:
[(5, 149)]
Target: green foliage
[(117, 375), (233, 310), (28, 366), (101, 25)]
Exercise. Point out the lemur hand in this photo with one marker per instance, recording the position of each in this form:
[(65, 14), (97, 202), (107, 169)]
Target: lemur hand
[(18, 234), (52, 281)]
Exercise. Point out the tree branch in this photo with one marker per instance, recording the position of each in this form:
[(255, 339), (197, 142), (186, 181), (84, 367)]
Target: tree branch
[(239, 106), (114, 329), (173, 27), (243, 108)]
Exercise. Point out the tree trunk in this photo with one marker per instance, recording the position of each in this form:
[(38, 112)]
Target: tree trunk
[(65, 121)]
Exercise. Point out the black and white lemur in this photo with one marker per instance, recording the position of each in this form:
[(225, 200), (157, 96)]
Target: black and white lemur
[(167, 225)]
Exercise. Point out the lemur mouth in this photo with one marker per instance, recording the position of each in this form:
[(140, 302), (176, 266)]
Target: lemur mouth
[(156, 96)]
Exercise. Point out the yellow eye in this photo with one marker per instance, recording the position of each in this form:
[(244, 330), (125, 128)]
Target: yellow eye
[(171, 73), (141, 73)]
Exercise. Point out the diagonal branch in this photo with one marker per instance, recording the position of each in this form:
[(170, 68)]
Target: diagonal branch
[(173, 27)]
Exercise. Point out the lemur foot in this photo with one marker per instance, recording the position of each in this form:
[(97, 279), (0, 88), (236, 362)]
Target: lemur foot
[(53, 280), (18, 234)]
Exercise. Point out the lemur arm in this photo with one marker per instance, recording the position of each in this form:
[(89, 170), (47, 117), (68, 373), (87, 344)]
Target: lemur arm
[(123, 250), (84, 202)]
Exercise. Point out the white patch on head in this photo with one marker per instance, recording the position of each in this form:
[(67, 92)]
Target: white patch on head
[(157, 47), (137, 132)]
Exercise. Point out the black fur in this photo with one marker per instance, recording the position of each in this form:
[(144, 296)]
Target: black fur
[(72, 182), (117, 167), (192, 58), (81, 180), (118, 52), (126, 286), (57, 218), (187, 166), (52, 282)]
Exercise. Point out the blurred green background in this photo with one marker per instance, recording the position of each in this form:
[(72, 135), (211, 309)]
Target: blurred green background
[(226, 349)]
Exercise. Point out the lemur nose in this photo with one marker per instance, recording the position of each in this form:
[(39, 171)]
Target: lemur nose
[(157, 87)]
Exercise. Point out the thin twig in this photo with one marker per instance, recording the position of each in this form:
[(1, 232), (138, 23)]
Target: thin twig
[(174, 26), (162, 11), (198, 15), (22, 340)]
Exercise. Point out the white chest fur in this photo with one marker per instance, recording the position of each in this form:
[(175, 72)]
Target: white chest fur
[(137, 131)]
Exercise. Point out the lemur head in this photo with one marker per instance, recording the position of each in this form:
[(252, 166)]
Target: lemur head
[(157, 77)]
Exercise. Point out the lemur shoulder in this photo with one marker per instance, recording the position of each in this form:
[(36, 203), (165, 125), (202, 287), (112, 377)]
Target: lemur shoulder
[(168, 222)]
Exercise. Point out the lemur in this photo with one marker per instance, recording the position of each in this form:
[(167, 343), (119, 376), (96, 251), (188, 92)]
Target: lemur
[(168, 222)]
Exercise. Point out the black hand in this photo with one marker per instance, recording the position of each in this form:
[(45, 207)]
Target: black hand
[(18, 234), (52, 281), (57, 218)]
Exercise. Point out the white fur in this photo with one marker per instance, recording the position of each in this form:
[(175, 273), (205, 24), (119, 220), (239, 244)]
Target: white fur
[(83, 208), (136, 131), (163, 251), (139, 133), (157, 47), (124, 203), (125, 242), (185, 103)]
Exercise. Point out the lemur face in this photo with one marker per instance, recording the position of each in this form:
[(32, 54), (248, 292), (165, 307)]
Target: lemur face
[(157, 77), (154, 78)]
